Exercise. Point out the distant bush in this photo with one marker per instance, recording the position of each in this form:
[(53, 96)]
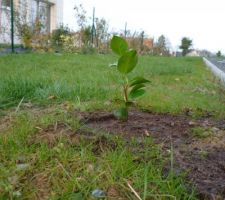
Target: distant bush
[(218, 54), (25, 33), (88, 50), (42, 43), (69, 43), (56, 38)]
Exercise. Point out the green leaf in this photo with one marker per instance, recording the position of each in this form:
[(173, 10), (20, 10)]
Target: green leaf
[(121, 114), (136, 93), (137, 87), (127, 61), (118, 45), (138, 80)]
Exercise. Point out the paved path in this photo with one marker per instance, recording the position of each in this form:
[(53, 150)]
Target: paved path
[(9, 51), (219, 63)]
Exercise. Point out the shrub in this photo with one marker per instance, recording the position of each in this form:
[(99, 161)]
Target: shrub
[(69, 43), (25, 32), (127, 61), (57, 34), (41, 42)]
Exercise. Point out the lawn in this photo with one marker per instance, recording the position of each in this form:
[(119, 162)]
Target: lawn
[(177, 84), (48, 152)]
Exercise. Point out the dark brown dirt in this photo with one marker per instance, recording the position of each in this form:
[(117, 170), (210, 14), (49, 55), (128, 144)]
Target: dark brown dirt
[(202, 158)]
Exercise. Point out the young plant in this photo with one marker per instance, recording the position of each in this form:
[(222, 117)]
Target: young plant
[(134, 88)]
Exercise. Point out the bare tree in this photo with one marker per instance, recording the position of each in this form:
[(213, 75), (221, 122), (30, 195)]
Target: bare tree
[(161, 47), (102, 34), (80, 15)]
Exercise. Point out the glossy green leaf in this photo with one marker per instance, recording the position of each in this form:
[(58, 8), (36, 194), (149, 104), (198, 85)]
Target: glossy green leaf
[(121, 114), (137, 87), (138, 80), (128, 61), (118, 45), (137, 93)]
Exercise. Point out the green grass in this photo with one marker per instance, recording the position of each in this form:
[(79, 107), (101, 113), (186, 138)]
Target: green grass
[(86, 80), (65, 170), (200, 132)]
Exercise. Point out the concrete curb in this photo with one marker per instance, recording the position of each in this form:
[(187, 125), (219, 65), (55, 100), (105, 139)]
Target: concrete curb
[(216, 71)]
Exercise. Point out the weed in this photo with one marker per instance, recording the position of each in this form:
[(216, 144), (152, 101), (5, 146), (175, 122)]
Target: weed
[(200, 132)]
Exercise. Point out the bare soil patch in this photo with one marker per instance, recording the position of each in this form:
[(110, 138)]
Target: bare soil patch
[(5, 123), (202, 158)]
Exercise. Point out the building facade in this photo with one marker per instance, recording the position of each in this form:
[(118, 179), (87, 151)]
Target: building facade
[(48, 12)]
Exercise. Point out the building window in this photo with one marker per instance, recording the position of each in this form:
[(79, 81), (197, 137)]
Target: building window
[(6, 3)]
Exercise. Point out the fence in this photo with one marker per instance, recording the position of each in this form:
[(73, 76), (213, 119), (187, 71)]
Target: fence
[(26, 12)]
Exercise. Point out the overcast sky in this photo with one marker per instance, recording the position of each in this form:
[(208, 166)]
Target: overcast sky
[(200, 20)]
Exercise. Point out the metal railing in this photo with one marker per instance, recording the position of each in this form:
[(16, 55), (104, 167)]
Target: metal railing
[(25, 12)]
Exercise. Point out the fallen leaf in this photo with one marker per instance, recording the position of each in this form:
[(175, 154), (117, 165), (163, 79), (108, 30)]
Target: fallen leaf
[(147, 133), (39, 128), (191, 123), (52, 97)]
